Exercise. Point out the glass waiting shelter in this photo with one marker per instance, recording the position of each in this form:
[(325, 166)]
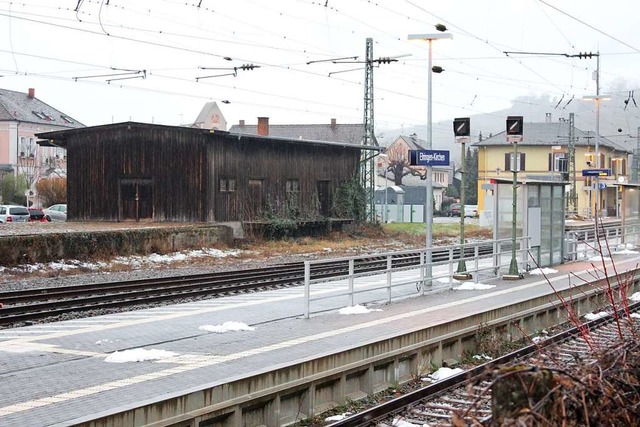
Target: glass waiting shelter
[(539, 216), (630, 212)]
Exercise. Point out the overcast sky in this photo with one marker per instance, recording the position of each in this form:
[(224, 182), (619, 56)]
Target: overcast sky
[(70, 55)]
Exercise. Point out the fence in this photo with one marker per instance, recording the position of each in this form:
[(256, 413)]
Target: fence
[(384, 277), (393, 275)]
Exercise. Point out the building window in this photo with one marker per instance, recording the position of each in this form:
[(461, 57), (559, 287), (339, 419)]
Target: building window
[(292, 190), (227, 185), (509, 161), (67, 119), (558, 162)]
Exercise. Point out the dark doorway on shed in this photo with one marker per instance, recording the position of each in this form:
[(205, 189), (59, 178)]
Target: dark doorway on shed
[(255, 200), (324, 197), (136, 199)]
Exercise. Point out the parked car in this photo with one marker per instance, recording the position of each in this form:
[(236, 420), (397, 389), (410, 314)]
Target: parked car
[(13, 213), (37, 215), (454, 209), (56, 212), (471, 211)]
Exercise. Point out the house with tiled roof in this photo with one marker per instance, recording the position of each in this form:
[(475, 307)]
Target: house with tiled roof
[(351, 133), (544, 155), (412, 178), (22, 115), (210, 117)]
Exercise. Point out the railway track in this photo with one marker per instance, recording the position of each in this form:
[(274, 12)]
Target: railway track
[(39, 303), (466, 398)]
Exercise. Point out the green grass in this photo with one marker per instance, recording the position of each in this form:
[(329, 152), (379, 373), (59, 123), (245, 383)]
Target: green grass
[(442, 230)]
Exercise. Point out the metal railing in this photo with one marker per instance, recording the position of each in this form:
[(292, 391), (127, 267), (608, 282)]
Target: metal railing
[(398, 279)]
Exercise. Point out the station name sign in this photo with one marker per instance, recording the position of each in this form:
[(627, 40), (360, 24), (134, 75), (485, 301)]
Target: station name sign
[(596, 172), (429, 157)]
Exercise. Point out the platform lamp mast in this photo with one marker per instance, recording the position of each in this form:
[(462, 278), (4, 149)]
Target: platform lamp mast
[(462, 131), (514, 136)]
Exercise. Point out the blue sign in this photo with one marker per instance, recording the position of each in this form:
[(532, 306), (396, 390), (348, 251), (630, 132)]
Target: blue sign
[(429, 157), (596, 172)]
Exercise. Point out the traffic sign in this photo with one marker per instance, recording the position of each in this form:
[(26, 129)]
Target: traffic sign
[(462, 126), (596, 172), (514, 125), (429, 157)]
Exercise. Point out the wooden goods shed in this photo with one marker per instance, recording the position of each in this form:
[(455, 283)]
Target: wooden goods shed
[(137, 171)]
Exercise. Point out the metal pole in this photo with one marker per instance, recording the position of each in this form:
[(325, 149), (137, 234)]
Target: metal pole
[(461, 272), (429, 183), (513, 267), (597, 213)]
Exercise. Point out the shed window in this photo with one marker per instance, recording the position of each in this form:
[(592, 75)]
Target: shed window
[(227, 185), (293, 186)]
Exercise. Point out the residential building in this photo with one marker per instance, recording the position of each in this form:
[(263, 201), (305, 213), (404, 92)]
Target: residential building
[(545, 155), (22, 115), (330, 132), (210, 117), (412, 178)]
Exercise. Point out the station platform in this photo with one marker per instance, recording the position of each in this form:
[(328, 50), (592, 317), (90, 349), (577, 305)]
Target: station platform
[(57, 374)]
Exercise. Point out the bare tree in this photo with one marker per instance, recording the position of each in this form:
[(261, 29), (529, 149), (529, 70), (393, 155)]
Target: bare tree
[(398, 163)]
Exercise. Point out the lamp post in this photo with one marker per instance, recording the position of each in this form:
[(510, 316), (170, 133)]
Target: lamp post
[(514, 135), (429, 146), (462, 131)]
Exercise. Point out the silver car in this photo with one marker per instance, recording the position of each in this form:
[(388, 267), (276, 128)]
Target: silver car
[(56, 212), (10, 214)]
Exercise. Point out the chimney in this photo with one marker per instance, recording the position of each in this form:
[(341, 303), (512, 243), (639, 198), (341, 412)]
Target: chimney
[(263, 126), (241, 123), (32, 92), (547, 117), (333, 123)]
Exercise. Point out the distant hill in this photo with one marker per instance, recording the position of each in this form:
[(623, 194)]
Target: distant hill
[(615, 115)]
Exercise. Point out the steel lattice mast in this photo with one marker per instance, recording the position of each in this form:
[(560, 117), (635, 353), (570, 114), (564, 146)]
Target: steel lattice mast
[(367, 163)]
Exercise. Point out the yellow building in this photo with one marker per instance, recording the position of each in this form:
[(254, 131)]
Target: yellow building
[(545, 154)]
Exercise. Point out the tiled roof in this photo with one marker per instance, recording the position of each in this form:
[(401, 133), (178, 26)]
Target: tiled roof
[(554, 133), (18, 106), (344, 133)]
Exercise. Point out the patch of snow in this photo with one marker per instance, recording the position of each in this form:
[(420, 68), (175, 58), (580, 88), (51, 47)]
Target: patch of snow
[(635, 297), (635, 315), (599, 258), (594, 316), (104, 341), (441, 374), (399, 422), (138, 355), (626, 252), (228, 326), (470, 286), (538, 339), (481, 357), (540, 271), (338, 417), (135, 261), (357, 309)]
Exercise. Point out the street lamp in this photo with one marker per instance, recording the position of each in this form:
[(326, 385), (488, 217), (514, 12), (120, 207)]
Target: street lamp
[(597, 98), (429, 145)]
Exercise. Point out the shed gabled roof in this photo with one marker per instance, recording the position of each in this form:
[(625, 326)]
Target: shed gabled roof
[(344, 133), (554, 133), (18, 106), (60, 138)]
